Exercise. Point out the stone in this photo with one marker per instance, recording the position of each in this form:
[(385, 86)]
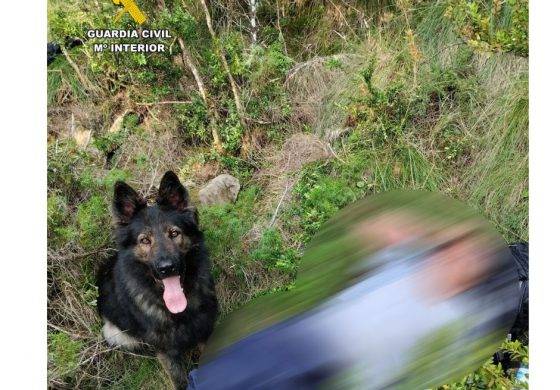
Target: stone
[(220, 190)]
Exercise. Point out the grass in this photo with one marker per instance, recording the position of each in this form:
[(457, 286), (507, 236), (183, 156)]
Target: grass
[(415, 107), (498, 184), (64, 352), (430, 136), (248, 259), (61, 80)]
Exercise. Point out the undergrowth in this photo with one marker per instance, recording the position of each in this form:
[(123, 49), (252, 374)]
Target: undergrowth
[(419, 94)]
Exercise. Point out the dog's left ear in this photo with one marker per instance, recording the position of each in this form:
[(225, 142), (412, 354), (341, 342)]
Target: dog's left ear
[(172, 193), (193, 211)]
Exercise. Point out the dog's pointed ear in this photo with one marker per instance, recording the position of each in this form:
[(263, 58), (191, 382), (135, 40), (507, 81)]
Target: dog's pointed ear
[(172, 193), (194, 214), (126, 203)]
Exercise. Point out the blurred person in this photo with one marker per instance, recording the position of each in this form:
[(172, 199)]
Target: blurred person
[(405, 290)]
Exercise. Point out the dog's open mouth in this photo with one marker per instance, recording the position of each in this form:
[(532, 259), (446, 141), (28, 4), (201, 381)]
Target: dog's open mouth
[(173, 295)]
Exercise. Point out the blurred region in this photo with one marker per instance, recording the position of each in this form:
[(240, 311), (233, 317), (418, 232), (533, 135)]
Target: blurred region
[(405, 289)]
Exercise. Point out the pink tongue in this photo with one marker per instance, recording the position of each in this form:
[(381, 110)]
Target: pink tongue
[(173, 295)]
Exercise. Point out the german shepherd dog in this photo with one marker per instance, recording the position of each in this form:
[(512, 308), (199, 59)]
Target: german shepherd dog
[(157, 290)]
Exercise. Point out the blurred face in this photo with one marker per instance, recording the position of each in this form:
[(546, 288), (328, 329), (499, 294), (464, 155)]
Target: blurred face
[(461, 261), (455, 268)]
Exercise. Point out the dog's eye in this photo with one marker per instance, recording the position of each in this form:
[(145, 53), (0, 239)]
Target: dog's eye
[(173, 233), (145, 241)]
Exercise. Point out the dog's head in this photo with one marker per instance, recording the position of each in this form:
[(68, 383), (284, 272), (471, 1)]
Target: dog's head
[(159, 237)]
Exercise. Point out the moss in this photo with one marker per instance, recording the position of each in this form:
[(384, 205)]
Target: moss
[(64, 352), (92, 219)]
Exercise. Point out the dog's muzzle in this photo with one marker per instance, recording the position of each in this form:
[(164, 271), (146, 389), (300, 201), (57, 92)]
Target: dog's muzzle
[(166, 268)]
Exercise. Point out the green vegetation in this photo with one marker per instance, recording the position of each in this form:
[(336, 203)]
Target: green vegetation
[(64, 352), (493, 25), (401, 94)]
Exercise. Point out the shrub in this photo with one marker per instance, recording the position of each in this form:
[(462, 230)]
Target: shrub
[(193, 120), (319, 197), (493, 25), (272, 251), (225, 226)]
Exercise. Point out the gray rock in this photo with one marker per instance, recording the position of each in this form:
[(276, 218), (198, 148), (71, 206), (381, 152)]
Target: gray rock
[(220, 190)]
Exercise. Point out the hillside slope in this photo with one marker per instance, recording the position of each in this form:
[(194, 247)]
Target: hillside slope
[(334, 101)]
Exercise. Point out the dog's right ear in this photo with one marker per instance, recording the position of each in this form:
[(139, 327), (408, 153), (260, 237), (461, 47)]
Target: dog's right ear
[(126, 203), (172, 193)]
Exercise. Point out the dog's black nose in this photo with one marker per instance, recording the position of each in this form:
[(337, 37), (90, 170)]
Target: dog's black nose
[(166, 269)]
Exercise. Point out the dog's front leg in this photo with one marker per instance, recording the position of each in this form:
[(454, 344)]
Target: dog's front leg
[(176, 366)]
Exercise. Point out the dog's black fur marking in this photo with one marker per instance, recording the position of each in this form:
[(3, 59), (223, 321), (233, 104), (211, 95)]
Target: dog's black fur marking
[(130, 294)]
